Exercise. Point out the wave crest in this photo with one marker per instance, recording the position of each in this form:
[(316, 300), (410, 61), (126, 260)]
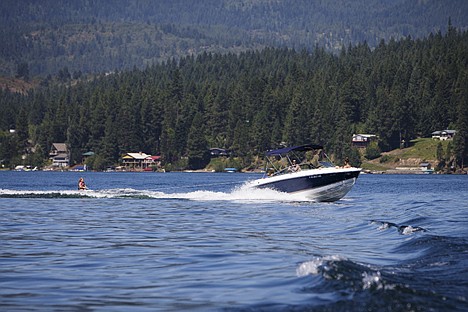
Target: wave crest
[(352, 275)]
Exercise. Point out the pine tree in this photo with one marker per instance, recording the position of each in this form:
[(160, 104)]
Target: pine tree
[(197, 145), (460, 140), (22, 131)]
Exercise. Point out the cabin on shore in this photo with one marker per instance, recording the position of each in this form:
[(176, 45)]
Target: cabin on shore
[(443, 135), (426, 167), (219, 152), (151, 162), (134, 161), (140, 161), (363, 140), (59, 155)]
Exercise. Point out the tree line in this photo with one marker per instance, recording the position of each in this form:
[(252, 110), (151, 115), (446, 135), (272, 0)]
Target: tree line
[(248, 103)]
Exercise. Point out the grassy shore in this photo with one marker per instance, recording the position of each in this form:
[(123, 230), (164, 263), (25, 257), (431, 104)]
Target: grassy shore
[(396, 161), (420, 150)]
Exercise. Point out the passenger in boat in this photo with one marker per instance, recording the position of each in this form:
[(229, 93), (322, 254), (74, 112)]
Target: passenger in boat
[(81, 184), (315, 160), (294, 166), (270, 172), (346, 163)]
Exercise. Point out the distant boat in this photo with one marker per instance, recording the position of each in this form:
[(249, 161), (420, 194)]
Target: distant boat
[(230, 170), (320, 182), (25, 168), (428, 171)]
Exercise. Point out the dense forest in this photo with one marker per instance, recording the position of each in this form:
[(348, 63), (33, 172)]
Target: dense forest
[(248, 103), (76, 37)]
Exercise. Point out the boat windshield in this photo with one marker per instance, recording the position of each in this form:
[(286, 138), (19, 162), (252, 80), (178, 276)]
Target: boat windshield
[(293, 159)]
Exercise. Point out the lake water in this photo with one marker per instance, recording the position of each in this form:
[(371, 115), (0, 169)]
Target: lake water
[(202, 242)]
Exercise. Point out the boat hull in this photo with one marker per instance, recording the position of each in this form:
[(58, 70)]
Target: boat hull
[(326, 185)]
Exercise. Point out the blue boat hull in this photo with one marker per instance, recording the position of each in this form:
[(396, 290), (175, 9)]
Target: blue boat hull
[(319, 185)]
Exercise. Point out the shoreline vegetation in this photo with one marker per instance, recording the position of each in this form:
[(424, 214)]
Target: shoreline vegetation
[(398, 161)]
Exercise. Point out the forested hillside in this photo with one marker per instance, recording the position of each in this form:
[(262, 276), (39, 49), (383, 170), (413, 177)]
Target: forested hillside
[(70, 38), (250, 102)]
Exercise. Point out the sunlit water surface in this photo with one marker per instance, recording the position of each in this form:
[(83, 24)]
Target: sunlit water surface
[(202, 241)]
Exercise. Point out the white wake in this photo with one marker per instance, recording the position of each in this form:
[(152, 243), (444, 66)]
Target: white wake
[(240, 194)]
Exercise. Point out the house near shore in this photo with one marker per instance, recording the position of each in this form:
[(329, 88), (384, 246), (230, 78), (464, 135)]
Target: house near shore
[(87, 155), (140, 161), (363, 140), (426, 167), (59, 155), (152, 161), (219, 152), (443, 135)]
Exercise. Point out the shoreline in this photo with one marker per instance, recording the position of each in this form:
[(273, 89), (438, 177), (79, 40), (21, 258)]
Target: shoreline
[(394, 171)]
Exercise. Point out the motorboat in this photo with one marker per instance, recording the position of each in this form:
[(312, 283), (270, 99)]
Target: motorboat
[(306, 170)]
